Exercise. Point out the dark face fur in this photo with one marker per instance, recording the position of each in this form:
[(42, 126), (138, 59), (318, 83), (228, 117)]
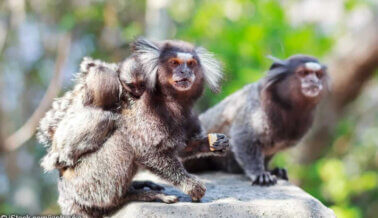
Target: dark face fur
[(311, 77), (298, 79), (132, 77), (177, 68), (181, 68)]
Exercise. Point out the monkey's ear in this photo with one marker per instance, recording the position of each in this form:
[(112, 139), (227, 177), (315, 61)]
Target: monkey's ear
[(212, 68), (87, 63), (277, 71), (277, 62), (147, 52)]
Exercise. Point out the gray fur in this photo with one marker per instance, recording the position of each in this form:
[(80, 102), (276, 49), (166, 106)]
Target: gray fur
[(259, 124), (70, 128), (52, 118)]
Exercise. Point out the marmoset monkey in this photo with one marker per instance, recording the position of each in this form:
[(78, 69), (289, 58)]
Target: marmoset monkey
[(86, 116), (266, 117), (147, 133)]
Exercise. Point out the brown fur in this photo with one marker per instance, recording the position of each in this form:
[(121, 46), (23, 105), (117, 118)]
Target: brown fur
[(148, 133)]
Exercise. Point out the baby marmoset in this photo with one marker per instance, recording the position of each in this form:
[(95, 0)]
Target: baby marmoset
[(81, 120)]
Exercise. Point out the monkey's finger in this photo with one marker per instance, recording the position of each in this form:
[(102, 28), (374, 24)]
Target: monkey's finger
[(265, 179), (284, 175), (169, 199), (280, 173), (196, 200), (272, 180), (262, 179)]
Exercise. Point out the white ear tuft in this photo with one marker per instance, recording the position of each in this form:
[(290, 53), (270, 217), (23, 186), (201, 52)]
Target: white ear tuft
[(86, 63), (148, 54), (212, 68), (89, 64)]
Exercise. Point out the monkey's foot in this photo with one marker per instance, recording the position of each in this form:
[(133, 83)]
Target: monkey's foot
[(194, 188), (148, 184), (280, 173), (264, 179), (218, 142)]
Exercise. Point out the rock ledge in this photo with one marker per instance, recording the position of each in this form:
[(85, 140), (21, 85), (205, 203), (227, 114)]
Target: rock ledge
[(231, 196)]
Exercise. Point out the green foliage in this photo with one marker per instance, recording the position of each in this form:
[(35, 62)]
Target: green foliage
[(242, 33)]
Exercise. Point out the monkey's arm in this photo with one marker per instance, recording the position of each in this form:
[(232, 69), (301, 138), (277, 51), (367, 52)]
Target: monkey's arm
[(201, 144), (169, 167), (213, 144), (85, 131), (248, 154), (80, 132)]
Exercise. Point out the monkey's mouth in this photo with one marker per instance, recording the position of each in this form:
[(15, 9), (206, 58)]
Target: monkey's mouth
[(312, 90), (183, 84)]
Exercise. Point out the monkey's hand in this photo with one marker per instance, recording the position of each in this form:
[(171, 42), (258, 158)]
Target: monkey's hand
[(194, 188), (49, 161), (264, 179), (218, 142), (65, 160), (280, 173)]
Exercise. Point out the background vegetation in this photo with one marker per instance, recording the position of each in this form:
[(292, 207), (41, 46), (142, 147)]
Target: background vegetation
[(240, 32)]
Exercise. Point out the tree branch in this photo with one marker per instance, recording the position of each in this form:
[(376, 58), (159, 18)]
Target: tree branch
[(353, 63), (28, 129)]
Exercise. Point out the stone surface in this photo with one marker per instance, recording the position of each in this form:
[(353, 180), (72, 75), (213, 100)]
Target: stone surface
[(230, 195)]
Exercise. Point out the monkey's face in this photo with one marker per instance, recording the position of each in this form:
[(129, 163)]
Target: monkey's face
[(136, 89), (132, 78), (311, 76), (177, 68), (181, 69), (135, 85)]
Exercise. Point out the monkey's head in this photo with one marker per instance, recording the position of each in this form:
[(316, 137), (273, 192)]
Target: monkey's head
[(132, 77), (177, 67), (299, 77), (101, 84)]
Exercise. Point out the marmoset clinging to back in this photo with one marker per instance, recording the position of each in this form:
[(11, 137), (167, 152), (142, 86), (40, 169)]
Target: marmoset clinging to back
[(86, 115)]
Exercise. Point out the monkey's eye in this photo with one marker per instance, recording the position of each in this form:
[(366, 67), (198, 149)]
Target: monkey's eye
[(174, 62), (303, 73), (130, 85), (192, 63), (319, 74)]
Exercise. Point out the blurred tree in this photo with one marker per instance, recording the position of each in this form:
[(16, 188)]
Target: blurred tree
[(353, 62)]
